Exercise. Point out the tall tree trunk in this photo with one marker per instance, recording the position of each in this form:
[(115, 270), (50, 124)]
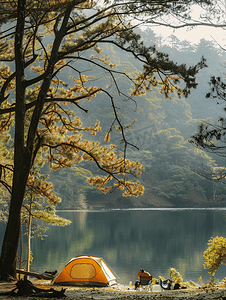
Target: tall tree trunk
[(23, 155), (22, 161), (12, 233)]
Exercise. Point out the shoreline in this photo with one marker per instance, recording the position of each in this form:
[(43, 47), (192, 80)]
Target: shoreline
[(118, 291), (176, 208)]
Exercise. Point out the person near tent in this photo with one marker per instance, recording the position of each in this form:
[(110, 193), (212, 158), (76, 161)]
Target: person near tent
[(145, 278), (144, 274)]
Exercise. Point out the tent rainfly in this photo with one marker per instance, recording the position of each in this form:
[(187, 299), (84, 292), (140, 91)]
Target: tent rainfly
[(85, 270)]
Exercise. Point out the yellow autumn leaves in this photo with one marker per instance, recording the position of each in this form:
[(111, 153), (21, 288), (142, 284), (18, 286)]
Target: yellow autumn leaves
[(120, 166), (147, 80), (67, 147), (107, 137), (215, 254), (43, 188)]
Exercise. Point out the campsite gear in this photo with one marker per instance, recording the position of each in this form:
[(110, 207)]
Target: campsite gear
[(85, 270), (144, 281), (166, 284), (176, 286), (156, 288)]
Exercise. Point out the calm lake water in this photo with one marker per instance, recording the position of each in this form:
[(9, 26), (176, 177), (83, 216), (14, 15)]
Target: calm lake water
[(153, 239)]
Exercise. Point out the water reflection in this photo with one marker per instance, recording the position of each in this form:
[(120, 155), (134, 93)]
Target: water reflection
[(130, 239)]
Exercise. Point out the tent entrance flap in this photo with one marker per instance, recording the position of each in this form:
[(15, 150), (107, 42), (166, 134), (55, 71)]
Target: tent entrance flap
[(83, 271)]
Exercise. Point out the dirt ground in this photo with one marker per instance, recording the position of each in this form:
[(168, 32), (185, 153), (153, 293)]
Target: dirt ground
[(119, 292)]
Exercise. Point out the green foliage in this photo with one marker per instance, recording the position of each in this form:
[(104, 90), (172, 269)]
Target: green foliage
[(215, 254), (175, 276), (222, 283), (40, 206), (72, 187), (4, 210)]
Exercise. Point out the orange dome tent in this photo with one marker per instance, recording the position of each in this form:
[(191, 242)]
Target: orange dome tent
[(85, 270)]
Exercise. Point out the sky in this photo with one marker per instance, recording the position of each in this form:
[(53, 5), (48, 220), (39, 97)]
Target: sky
[(194, 35), (217, 35)]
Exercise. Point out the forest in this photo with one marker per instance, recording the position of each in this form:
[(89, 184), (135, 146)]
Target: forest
[(176, 174)]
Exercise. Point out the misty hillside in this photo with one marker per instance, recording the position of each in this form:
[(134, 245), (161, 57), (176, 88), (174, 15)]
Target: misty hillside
[(160, 128)]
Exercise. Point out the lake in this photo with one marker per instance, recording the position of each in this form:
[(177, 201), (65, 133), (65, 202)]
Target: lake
[(153, 239)]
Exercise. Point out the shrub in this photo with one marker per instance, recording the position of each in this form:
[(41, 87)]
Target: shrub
[(215, 254)]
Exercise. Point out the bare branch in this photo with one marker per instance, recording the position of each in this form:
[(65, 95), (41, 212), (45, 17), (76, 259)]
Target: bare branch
[(194, 24)]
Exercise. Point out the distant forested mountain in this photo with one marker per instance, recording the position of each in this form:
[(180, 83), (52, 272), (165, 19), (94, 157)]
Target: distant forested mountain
[(160, 128)]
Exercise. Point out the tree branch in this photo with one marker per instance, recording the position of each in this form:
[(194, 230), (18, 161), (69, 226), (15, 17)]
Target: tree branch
[(186, 24)]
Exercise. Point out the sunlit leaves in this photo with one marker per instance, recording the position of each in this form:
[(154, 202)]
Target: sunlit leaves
[(50, 218), (215, 254), (175, 276), (6, 167), (6, 173), (42, 188), (120, 167), (107, 137), (40, 204)]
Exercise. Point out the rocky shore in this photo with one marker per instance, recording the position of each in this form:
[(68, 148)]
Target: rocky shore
[(120, 292)]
